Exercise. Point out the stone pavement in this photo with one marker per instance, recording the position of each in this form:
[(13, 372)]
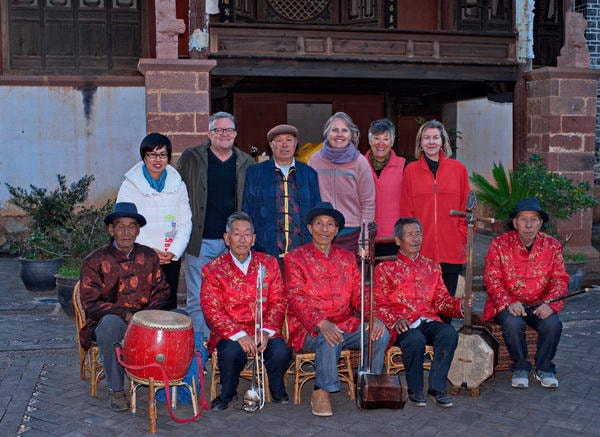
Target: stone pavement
[(41, 393)]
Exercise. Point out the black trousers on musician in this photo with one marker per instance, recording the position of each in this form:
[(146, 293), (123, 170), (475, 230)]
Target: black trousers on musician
[(171, 273), (232, 360)]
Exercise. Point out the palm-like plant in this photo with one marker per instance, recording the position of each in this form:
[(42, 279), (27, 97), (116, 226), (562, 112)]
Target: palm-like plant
[(502, 196)]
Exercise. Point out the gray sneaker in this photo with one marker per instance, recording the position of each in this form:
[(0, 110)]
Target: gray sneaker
[(118, 401), (520, 379), (547, 379)]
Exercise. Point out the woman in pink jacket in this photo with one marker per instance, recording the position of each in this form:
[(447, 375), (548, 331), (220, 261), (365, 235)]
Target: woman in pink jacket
[(432, 186), (345, 178), (387, 169)]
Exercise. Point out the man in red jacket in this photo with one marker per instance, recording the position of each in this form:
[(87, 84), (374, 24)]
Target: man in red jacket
[(523, 268), (411, 296), (323, 284), (229, 295)]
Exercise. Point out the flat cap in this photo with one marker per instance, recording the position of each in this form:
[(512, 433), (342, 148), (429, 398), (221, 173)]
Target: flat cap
[(282, 129)]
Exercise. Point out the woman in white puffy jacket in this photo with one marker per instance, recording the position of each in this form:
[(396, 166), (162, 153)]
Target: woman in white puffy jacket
[(161, 197)]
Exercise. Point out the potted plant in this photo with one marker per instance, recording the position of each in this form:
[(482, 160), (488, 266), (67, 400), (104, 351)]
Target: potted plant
[(83, 232), (43, 246), (575, 266), (558, 195)]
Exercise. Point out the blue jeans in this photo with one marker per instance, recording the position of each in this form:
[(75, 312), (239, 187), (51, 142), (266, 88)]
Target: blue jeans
[(109, 330), (232, 360), (209, 250), (327, 357), (513, 331), (444, 339)]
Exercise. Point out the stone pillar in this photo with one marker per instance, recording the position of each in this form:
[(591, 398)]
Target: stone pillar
[(178, 99), (561, 120)]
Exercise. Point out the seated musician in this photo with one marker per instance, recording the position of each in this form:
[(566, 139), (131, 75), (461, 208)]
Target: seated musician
[(118, 280), (525, 267), (228, 300), (323, 284), (411, 296)]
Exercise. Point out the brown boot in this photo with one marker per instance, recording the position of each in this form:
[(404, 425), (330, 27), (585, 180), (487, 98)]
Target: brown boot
[(320, 403)]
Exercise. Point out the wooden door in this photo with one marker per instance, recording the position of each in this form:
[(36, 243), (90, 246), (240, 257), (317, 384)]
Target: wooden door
[(256, 113)]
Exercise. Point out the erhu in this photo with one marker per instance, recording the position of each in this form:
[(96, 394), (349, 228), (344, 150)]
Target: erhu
[(254, 398)]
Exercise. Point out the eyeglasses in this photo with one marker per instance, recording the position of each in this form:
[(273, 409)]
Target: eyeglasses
[(161, 156), (526, 222), (221, 131)]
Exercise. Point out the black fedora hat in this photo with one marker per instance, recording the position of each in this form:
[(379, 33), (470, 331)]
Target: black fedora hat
[(325, 208), (529, 204), (125, 209)]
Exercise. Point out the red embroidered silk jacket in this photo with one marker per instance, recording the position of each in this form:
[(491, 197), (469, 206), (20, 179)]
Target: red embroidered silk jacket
[(112, 283), (228, 296), (409, 289), (513, 274), (319, 288)]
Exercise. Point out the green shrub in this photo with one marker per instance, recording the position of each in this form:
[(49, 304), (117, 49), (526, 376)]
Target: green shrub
[(557, 194)]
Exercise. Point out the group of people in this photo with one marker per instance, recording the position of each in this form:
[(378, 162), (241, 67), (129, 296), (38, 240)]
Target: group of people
[(296, 227)]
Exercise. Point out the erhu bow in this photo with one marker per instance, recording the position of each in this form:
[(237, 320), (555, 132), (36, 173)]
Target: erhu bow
[(254, 398)]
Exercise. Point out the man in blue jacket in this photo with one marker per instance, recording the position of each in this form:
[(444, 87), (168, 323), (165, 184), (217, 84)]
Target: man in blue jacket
[(278, 193)]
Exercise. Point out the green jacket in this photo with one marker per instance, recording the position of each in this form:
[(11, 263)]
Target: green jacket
[(193, 166)]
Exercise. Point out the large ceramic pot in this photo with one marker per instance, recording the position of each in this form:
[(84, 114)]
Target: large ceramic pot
[(64, 292), (38, 275), (576, 271)]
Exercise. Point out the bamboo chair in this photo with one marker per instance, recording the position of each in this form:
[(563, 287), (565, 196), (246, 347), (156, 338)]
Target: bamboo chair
[(89, 366), (393, 360), (247, 373)]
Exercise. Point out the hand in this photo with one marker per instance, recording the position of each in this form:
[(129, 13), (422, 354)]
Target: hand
[(263, 341), (467, 303), (164, 257), (401, 326), (128, 317), (331, 332), (517, 309), (378, 329), (248, 344), (543, 311)]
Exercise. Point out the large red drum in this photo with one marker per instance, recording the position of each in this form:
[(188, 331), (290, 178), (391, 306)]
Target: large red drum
[(162, 337)]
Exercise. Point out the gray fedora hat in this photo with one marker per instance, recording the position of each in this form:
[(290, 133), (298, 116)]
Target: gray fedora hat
[(529, 204), (125, 209), (325, 208)]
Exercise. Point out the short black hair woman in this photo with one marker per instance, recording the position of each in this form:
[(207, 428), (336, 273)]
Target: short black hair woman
[(160, 195), (388, 170), (432, 186)]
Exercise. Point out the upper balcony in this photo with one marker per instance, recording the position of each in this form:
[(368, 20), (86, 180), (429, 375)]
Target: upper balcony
[(362, 39)]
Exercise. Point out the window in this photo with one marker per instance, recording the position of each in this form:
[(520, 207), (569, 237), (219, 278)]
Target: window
[(74, 36)]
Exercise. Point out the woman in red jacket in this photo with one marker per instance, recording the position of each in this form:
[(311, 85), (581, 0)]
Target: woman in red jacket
[(432, 186)]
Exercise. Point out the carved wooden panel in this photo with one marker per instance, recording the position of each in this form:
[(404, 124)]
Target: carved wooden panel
[(484, 15), (74, 36), (326, 12)]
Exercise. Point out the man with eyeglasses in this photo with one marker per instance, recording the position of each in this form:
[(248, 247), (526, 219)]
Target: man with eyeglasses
[(523, 268), (214, 173), (278, 193)]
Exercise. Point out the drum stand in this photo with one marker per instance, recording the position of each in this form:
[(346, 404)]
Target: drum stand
[(153, 386)]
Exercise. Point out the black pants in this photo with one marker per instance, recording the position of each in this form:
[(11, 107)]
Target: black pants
[(171, 272), (450, 273)]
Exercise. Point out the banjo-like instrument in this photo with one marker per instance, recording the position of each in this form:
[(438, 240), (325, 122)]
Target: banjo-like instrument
[(477, 352)]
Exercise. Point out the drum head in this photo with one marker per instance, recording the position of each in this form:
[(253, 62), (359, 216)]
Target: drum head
[(158, 319)]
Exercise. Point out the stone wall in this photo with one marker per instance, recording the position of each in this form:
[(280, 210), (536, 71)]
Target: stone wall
[(591, 12)]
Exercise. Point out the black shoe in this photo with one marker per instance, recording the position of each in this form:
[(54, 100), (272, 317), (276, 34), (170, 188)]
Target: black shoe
[(219, 404), (281, 398), (118, 401), (441, 399), (418, 399)]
